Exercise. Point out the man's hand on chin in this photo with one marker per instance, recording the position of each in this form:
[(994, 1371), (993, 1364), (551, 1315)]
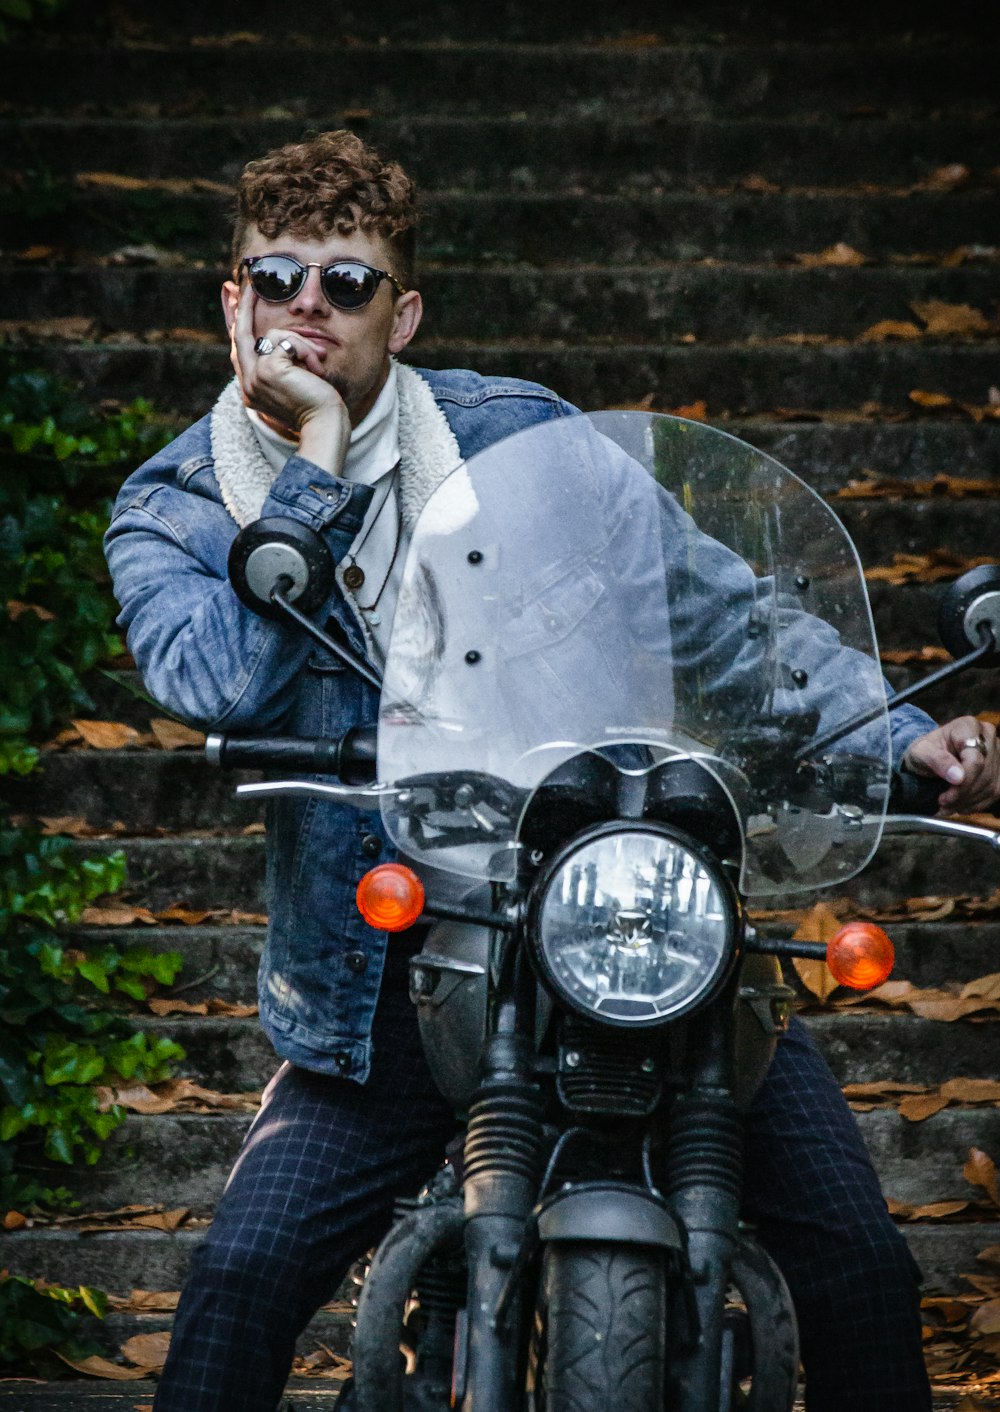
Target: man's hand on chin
[(281, 375), (963, 752)]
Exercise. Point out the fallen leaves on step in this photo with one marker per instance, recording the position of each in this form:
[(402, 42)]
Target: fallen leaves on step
[(976, 997), (175, 1096), (910, 656), (916, 1102), (322, 1363), (941, 486), (932, 567), (97, 1367), (166, 1005), (819, 924), (838, 254), (944, 402), (944, 320), (888, 329), (145, 1301), (106, 735), (147, 1350)]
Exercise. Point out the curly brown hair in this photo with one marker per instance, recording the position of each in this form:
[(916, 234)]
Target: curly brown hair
[(331, 182)]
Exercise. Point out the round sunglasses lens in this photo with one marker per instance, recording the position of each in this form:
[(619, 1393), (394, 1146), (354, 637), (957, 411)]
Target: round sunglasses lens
[(276, 278), (349, 286)]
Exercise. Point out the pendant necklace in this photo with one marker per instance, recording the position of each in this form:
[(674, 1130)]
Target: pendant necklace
[(369, 609), (354, 574)]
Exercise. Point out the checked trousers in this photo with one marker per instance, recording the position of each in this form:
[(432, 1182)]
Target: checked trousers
[(314, 1184)]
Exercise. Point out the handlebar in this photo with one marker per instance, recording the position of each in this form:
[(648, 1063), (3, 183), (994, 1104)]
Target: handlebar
[(349, 757)]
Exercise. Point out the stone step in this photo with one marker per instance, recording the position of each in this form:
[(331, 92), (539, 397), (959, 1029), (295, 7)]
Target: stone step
[(633, 23), (234, 1056), (826, 454), (221, 961), (185, 1159), (203, 871), (719, 303), (537, 228), (616, 153), (755, 80), (121, 1261), (739, 379)]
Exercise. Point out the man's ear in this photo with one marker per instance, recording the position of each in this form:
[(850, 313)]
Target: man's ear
[(407, 314), (230, 295)]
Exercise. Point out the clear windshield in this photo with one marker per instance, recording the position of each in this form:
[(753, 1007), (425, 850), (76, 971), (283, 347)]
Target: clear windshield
[(632, 579)]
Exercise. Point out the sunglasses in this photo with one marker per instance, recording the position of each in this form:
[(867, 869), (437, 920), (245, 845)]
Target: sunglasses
[(346, 284)]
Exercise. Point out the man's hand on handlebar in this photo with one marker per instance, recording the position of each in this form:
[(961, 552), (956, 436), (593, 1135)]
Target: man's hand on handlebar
[(965, 753)]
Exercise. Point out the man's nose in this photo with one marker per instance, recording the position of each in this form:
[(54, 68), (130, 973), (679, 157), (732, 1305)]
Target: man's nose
[(310, 298)]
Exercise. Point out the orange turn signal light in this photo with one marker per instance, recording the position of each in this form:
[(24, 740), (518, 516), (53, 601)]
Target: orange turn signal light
[(860, 955), (390, 897)]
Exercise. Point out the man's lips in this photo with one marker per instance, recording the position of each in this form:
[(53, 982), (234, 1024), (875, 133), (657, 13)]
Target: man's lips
[(321, 341)]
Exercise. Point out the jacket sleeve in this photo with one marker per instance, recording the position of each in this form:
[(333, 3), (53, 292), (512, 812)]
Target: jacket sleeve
[(201, 653)]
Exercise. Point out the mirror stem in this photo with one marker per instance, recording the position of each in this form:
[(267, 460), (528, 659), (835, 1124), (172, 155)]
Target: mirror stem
[(986, 646), (357, 664)]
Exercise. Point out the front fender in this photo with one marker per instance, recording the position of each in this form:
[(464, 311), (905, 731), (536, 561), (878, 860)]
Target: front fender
[(612, 1213)]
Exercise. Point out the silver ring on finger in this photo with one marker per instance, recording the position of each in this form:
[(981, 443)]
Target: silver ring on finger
[(289, 347), (977, 743), (263, 346)]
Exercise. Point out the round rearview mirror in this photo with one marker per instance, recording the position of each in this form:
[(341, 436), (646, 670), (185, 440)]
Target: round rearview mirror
[(282, 554), (968, 605)]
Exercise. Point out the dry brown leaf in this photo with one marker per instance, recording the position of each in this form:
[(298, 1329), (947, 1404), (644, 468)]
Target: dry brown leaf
[(931, 400), (819, 924), (184, 915), (943, 320), (983, 987), (886, 329), (171, 735), (904, 657), (693, 411), (881, 1088), (148, 1350), (116, 916), (980, 1170), (932, 567), (948, 1309), (946, 178), (253, 829), (96, 1367), (937, 1210), (971, 1090), (16, 609), (145, 1301), (164, 1005), (759, 184), (986, 1319), (839, 254), (107, 735), (991, 1255), (916, 1108), (163, 1221), (73, 328), (14, 1221)]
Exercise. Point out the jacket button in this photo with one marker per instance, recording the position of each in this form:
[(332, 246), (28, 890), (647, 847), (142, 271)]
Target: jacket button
[(357, 962), (342, 1061), (371, 845)]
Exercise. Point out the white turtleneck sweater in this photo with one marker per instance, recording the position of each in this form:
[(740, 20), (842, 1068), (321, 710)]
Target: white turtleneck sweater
[(372, 458)]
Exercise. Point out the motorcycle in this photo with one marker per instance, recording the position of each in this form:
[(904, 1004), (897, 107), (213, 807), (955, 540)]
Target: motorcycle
[(632, 690)]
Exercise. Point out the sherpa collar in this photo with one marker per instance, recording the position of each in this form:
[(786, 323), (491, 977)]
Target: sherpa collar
[(428, 451)]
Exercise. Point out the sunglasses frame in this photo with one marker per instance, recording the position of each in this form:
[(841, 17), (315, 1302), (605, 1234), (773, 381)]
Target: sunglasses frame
[(305, 267)]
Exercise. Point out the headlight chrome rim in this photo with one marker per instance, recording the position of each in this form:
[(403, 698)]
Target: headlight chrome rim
[(715, 977)]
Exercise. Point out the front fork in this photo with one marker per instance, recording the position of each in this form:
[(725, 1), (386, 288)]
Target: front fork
[(704, 1184)]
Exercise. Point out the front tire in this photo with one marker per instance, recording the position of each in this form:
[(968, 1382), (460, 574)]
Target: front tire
[(605, 1328)]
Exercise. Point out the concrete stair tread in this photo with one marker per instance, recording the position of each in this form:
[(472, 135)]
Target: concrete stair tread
[(539, 227), (723, 304), (738, 379), (617, 152)]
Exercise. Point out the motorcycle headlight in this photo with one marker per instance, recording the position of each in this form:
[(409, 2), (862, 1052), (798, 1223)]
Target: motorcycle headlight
[(634, 926)]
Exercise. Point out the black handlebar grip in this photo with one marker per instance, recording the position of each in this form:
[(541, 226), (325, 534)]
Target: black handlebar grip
[(916, 794), (311, 757), (350, 757)]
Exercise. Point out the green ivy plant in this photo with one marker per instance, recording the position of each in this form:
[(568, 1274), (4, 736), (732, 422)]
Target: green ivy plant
[(65, 1032), (36, 1317)]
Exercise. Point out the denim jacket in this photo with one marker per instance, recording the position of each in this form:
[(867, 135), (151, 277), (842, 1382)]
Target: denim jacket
[(211, 661), (216, 664)]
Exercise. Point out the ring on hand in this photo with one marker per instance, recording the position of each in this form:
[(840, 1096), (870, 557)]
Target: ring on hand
[(263, 346), (977, 743), (288, 346)]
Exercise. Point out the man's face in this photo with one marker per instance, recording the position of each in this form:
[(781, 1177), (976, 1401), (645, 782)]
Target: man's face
[(352, 345)]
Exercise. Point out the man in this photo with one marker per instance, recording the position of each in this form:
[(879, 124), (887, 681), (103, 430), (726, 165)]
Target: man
[(322, 425)]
